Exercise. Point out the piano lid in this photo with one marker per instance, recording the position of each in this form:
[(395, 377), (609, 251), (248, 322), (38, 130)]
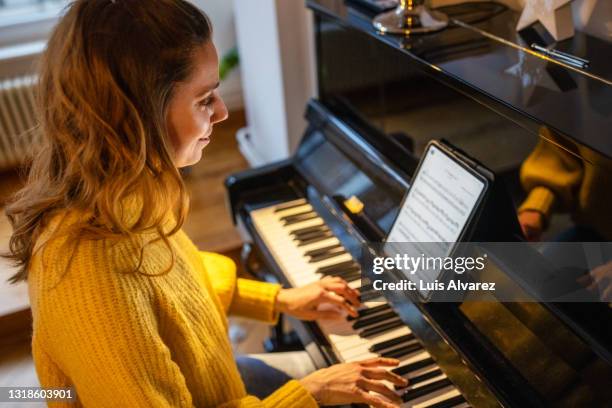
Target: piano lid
[(486, 63)]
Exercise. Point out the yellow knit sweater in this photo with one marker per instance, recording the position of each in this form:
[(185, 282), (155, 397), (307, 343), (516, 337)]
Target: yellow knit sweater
[(125, 339), (566, 177)]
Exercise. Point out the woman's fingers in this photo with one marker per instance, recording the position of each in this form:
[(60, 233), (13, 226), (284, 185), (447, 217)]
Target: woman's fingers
[(597, 277), (382, 374), (379, 361), (341, 287), (339, 301), (325, 315), (376, 386)]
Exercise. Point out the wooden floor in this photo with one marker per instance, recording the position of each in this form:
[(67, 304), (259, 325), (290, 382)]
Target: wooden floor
[(209, 225)]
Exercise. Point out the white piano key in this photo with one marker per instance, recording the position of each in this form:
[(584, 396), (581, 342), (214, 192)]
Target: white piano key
[(432, 398)]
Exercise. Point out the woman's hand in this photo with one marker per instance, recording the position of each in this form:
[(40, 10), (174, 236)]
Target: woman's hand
[(532, 224), (303, 303), (600, 279), (352, 382)]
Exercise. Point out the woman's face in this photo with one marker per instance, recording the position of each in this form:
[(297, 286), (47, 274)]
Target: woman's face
[(195, 107)]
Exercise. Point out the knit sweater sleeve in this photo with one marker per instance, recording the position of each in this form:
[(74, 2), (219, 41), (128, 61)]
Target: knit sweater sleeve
[(290, 395), (552, 176), (243, 297)]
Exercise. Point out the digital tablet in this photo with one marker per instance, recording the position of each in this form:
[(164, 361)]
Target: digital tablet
[(446, 192)]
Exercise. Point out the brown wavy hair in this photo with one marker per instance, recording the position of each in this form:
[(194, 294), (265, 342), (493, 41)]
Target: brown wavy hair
[(105, 82)]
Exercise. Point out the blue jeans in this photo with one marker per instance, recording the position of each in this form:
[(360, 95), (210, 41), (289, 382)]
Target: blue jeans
[(263, 374)]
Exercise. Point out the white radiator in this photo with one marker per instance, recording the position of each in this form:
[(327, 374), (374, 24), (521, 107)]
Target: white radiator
[(17, 120)]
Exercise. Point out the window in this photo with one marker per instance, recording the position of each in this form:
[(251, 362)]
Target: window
[(27, 21), (21, 11)]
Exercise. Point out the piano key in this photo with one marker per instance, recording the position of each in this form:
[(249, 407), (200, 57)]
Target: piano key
[(275, 218), (435, 397), (404, 370), (390, 343), (337, 271), (448, 402), (363, 312), (381, 328), (312, 234), (289, 205), (351, 350), (296, 219), (319, 227), (402, 351), (427, 376), (330, 254), (368, 321), (307, 211), (413, 379), (346, 264), (319, 251), (349, 340), (423, 390), (355, 270), (313, 239)]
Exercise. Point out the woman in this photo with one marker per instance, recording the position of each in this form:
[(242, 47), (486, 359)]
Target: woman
[(126, 309)]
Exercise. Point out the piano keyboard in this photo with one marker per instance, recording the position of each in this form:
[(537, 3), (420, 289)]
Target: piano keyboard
[(306, 250)]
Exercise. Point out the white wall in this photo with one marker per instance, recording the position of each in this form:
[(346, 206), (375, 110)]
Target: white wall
[(275, 42), (221, 13)]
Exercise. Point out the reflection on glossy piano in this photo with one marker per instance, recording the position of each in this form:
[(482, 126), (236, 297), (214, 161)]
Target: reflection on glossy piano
[(312, 215)]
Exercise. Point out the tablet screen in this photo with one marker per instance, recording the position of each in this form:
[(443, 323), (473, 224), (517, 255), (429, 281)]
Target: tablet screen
[(437, 208)]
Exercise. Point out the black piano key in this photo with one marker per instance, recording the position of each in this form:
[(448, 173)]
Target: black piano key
[(307, 230), (344, 271), (448, 403), (375, 309), (348, 276), (369, 311), (329, 255), (319, 251), (317, 238), (423, 377), (295, 220), (297, 215), (312, 234), (364, 322), (402, 351), (361, 323), (417, 365), (337, 267), (390, 343), (371, 331), (350, 271), (425, 389), (290, 205)]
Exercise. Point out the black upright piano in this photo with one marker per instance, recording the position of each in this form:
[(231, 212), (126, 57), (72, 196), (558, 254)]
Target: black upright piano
[(381, 99)]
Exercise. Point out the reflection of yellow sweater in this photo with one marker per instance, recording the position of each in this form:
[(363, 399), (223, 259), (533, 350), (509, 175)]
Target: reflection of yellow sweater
[(128, 340), (571, 179)]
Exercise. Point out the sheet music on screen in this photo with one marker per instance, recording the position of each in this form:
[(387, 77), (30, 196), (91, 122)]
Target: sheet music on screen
[(439, 203)]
